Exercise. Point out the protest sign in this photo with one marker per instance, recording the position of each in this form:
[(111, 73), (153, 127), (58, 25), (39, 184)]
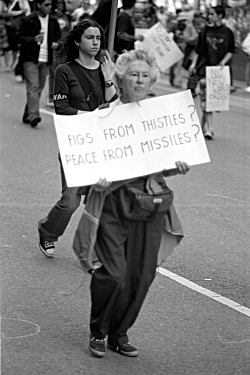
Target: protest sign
[(162, 46), (129, 140), (217, 88), (246, 44)]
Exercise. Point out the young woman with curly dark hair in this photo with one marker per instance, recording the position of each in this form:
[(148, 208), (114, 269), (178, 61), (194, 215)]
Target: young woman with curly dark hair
[(82, 82)]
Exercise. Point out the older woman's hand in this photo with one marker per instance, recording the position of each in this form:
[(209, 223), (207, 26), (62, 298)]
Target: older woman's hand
[(107, 67), (182, 167), (102, 184)]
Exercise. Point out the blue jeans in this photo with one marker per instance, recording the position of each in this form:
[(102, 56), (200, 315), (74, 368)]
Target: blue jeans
[(35, 78)]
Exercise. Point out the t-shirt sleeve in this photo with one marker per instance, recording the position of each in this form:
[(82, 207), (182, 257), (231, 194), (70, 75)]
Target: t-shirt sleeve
[(61, 92)]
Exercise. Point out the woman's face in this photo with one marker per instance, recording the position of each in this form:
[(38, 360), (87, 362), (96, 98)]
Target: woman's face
[(136, 82), (90, 41)]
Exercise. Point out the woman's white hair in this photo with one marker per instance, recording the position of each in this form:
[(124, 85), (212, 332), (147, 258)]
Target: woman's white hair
[(126, 58)]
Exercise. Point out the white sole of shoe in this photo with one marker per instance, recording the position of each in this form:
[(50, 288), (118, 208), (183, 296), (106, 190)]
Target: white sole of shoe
[(45, 253), (119, 351), (128, 354), (96, 353)]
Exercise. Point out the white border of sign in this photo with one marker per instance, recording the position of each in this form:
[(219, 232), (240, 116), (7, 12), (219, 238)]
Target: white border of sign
[(130, 140)]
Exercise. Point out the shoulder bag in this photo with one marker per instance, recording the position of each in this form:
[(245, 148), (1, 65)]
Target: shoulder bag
[(142, 203)]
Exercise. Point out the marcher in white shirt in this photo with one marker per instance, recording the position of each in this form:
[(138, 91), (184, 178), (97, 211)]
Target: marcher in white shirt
[(38, 36)]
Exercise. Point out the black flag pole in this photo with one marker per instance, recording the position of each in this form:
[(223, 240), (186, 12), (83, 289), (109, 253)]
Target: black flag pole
[(112, 26)]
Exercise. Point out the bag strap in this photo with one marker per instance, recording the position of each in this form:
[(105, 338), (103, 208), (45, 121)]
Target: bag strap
[(82, 81)]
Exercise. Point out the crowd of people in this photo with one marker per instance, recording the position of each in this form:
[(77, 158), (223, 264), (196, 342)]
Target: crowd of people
[(68, 42), (186, 26)]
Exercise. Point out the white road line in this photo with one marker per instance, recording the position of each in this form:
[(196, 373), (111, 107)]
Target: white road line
[(222, 196), (206, 292), (37, 329)]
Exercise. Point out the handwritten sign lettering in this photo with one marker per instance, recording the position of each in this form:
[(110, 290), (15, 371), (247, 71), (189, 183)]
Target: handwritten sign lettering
[(130, 140), (217, 88)]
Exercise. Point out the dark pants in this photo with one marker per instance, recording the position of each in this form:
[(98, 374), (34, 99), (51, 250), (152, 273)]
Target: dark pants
[(51, 82), (54, 225), (128, 251)]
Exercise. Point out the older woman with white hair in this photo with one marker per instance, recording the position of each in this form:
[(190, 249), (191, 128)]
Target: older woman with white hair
[(127, 241)]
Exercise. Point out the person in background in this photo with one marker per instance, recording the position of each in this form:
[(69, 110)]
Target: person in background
[(215, 47), (199, 23), (38, 35), (82, 12), (190, 35), (231, 23), (125, 28), (246, 51), (83, 81), (72, 5), (65, 26), (145, 14), (4, 42), (16, 11), (102, 14), (176, 28), (127, 247)]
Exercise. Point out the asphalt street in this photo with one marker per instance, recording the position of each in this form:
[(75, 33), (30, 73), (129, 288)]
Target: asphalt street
[(180, 331)]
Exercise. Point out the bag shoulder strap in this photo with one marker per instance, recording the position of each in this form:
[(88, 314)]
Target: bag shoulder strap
[(81, 79)]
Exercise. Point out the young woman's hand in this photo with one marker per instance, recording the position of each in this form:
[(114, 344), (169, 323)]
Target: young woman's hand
[(107, 67)]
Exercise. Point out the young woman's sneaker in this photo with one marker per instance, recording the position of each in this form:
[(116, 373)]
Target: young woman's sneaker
[(46, 247), (125, 349), (97, 346)]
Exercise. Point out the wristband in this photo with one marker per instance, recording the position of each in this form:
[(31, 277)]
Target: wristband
[(108, 83)]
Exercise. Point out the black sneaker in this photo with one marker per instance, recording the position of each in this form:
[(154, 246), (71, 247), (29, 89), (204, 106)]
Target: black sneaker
[(46, 247), (35, 121), (97, 346), (26, 120), (125, 349)]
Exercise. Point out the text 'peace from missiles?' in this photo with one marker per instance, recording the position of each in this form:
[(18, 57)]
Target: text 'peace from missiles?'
[(123, 131)]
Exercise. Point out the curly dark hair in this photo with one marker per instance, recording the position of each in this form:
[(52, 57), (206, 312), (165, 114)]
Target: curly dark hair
[(67, 50)]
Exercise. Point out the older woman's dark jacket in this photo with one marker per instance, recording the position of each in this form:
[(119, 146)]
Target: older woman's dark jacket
[(30, 27)]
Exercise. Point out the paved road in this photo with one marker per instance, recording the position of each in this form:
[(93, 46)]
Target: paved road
[(179, 331)]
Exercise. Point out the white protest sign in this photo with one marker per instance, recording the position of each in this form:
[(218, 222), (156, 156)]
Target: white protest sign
[(217, 88), (162, 46), (130, 140), (246, 44)]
